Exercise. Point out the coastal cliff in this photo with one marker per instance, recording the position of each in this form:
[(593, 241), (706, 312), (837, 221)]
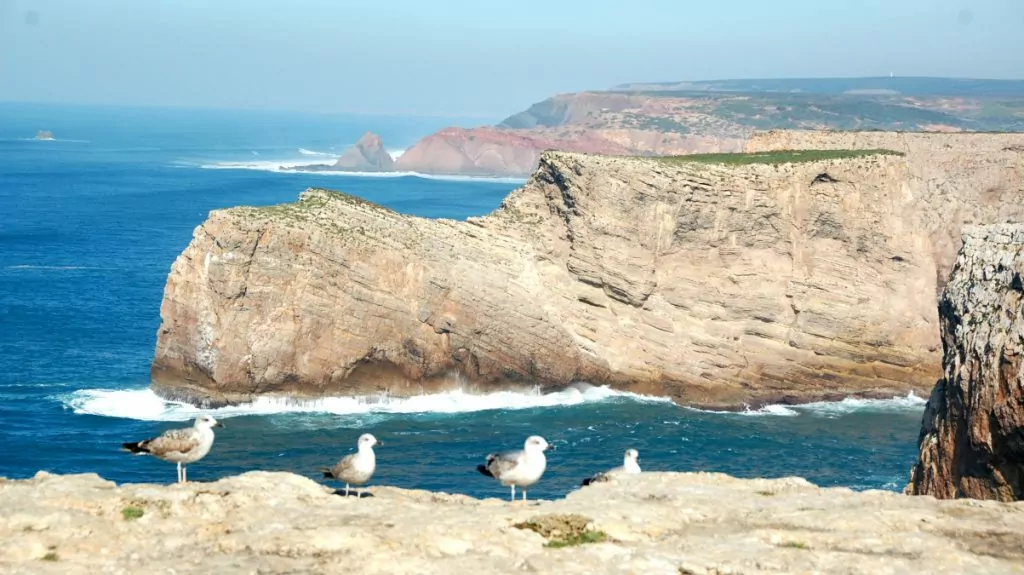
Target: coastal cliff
[(972, 436), (965, 178), (718, 285), (652, 523)]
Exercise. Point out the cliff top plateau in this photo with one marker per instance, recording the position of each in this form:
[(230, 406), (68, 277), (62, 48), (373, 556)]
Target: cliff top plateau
[(657, 523)]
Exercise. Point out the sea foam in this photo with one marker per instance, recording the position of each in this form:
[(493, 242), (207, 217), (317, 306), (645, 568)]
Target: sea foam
[(909, 403), (288, 167), (143, 404)]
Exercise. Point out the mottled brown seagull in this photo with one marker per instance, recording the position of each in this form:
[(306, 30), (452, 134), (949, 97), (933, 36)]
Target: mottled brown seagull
[(181, 446)]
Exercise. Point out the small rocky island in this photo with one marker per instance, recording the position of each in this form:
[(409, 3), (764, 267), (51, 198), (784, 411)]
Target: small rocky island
[(44, 135)]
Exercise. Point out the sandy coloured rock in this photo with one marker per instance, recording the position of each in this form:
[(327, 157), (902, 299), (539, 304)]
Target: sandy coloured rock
[(972, 436), (715, 285), (657, 523)]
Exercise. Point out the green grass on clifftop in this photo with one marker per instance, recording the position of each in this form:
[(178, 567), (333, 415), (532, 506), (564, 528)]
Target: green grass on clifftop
[(774, 157)]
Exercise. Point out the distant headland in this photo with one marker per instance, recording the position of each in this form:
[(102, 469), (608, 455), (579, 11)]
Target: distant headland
[(675, 118)]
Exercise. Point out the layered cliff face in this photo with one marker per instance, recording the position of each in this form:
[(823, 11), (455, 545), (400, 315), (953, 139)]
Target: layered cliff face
[(717, 285), (964, 178), (367, 155), (972, 437)]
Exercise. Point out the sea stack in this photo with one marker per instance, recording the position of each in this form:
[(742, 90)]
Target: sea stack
[(972, 436), (368, 155), (45, 135)]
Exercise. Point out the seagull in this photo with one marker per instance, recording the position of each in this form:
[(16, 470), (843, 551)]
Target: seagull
[(181, 446), (630, 464), (356, 468), (522, 468)]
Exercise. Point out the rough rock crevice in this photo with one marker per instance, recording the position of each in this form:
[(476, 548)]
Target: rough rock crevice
[(645, 274), (972, 435)]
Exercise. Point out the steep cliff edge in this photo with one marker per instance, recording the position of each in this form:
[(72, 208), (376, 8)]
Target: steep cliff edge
[(716, 285), (972, 436), (966, 178)]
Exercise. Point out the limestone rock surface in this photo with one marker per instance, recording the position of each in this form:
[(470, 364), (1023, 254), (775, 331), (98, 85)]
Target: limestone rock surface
[(972, 437), (656, 523), (716, 285)]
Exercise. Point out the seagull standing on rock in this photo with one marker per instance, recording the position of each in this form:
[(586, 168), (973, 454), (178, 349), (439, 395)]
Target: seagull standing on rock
[(521, 467), (630, 464), (181, 446), (356, 468)]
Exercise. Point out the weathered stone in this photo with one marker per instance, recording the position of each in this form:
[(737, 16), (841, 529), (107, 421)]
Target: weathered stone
[(367, 155), (658, 523), (972, 437), (716, 285)]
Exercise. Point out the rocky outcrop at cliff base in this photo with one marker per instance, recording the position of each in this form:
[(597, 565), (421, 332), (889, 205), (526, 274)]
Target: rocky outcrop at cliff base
[(972, 437), (652, 523), (716, 285)]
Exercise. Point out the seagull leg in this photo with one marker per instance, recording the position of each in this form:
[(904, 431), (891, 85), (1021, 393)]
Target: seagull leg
[(179, 472), (524, 495), (513, 492), (184, 473), (346, 490)]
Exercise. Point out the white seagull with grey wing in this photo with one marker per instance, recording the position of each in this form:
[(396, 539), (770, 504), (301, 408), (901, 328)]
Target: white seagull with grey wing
[(630, 464), (521, 467), (181, 446)]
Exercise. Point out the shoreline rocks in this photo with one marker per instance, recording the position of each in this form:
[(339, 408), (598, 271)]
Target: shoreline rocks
[(972, 436), (654, 523)]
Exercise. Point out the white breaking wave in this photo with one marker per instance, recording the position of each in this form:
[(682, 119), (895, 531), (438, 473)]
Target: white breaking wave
[(909, 403), (287, 167), (306, 152), (143, 404)]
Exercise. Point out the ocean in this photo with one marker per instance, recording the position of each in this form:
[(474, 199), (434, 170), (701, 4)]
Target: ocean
[(91, 222)]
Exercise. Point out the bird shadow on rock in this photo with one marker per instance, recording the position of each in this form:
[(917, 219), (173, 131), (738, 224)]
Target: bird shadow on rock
[(352, 493)]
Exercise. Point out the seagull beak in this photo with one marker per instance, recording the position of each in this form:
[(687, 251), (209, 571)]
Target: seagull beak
[(379, 443), (218, 424), (549, 448)]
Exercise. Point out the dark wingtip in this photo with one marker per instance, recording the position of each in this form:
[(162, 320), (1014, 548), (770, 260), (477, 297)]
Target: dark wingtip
[(327, 473), (586, 482), (484, 471), (134, 447)]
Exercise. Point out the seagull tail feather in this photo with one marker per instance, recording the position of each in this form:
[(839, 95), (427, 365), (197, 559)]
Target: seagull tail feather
[(136, 447), (327, 472), (484, 471)]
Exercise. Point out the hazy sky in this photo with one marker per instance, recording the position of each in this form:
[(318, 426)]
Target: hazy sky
[(474, 57)]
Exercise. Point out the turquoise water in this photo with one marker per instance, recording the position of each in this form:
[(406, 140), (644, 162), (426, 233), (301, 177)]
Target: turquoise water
[(90, 224)]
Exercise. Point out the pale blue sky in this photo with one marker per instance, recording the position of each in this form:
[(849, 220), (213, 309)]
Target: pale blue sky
[(474, 57)]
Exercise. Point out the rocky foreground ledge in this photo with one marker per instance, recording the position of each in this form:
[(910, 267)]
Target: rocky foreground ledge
[(669, 523)]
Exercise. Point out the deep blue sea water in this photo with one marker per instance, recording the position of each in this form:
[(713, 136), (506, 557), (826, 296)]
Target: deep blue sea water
[(90, 224)]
